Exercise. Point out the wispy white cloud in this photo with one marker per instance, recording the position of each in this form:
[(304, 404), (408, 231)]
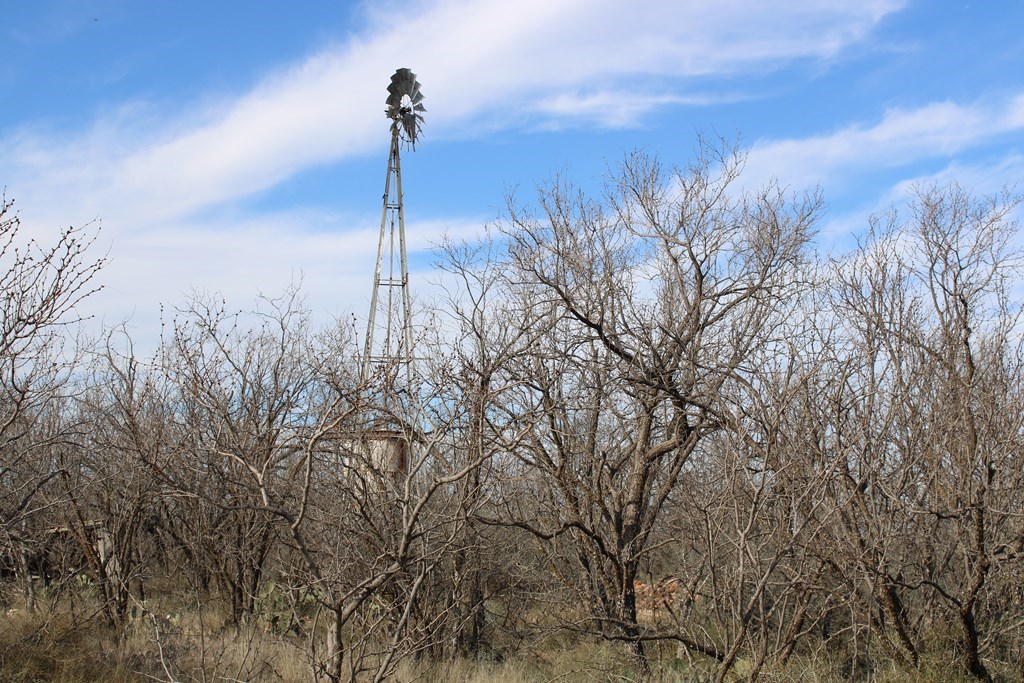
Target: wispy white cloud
[(902, 137), (988, 176), (613, 108), (250, 256)]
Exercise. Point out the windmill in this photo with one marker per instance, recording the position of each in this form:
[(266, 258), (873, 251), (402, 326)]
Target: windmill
[(389, 326)]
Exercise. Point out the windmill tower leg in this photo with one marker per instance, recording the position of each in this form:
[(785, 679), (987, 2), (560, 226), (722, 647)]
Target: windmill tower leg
[(389, 341)]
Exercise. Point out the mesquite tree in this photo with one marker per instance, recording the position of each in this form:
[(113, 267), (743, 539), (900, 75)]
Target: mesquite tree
[(644, 309), (40, 286)]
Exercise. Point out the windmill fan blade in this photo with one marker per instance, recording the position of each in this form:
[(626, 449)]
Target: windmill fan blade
[(397, 87), (405, 114), (395, 96)]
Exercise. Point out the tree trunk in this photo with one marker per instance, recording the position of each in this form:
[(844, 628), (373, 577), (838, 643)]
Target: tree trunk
[(970, 659), (335, 654)]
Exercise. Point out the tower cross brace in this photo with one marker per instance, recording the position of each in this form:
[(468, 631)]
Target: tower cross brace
[(389, 326)]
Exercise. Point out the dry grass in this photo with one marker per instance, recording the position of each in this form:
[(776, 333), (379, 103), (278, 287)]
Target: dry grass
[(48, 646), (168, 641), (79, 646)]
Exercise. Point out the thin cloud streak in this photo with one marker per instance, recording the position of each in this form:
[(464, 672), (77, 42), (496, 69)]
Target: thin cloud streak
[(902, 137), (987, 178), (161, 266)]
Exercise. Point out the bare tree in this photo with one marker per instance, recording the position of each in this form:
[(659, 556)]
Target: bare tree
[(242, 394), (926, 419), (40, 287), (486, 335), (645, 308), (751, 508)]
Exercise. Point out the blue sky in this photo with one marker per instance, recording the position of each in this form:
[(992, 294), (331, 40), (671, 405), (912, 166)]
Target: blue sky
[(237, 146)]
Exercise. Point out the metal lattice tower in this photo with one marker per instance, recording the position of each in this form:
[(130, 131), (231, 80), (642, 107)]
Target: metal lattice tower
[(389, 326)]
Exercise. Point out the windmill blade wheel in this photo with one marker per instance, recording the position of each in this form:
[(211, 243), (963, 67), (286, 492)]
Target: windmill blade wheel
[(404, 105)]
